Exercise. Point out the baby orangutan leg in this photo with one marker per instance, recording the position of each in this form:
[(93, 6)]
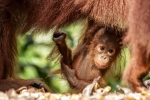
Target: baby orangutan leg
[(74, 82)]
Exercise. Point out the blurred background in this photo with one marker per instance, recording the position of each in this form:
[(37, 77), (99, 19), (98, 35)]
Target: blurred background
[(33, 62)]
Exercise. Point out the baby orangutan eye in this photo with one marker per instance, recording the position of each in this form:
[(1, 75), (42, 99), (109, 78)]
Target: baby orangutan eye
[(102, 48), (111, 52)]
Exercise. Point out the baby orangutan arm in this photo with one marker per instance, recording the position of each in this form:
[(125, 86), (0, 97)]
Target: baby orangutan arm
[(59, 39)]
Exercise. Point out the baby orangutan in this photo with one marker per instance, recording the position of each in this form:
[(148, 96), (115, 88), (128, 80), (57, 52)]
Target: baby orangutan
[(92, 58)]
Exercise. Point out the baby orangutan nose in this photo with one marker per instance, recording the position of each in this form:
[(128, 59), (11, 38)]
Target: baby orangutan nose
[(104, 59)]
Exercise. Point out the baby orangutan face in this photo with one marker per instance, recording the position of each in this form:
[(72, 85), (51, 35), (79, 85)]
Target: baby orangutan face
[(103, 56), (105, 50)]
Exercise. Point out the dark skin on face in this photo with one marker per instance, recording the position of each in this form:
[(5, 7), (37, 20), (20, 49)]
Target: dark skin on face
[(91, 59)]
